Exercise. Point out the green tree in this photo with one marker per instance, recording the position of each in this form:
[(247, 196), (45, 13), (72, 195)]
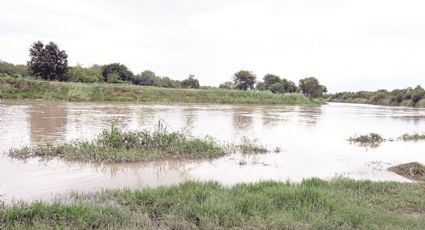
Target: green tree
[(277, 87), (79, 73), (261, 86), (190, 82), (270, 79), (147, 77), (244, 80), (311, 87), (417, 94), (116, 68), (48, 61)]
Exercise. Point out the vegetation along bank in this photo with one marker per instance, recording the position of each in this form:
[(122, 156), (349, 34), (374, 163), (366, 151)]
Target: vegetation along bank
[(312, 204), (411, 97), (48, 65)]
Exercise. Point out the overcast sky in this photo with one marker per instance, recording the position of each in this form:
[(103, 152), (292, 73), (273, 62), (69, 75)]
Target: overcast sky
[(346, 44)]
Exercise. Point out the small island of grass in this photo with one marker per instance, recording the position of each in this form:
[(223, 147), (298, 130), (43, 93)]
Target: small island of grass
[(115, 145)]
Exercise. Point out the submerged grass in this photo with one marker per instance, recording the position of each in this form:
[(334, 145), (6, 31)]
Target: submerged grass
[(312, 204), (371, 139), (115, 145), (26, 88), (251, 146), (412, 137), (374, 139)]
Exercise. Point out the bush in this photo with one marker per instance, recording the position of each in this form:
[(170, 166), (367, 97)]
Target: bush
[(86, 75), (116, 69)]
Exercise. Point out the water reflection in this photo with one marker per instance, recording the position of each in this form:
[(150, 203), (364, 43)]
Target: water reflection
[(47, 122)]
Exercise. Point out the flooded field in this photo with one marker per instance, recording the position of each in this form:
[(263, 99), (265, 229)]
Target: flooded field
[(312, 140)]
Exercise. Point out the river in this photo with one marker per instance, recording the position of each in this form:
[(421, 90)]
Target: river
[(312, 140)]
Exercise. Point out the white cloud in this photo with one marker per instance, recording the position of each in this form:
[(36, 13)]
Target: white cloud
[(347, 44)]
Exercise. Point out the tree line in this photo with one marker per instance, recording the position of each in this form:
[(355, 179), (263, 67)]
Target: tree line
[(49, 62), (244, 80), (413, 97)]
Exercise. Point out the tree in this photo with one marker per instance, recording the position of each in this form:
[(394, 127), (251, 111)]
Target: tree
[(277, 88), (261, 86), (311, 87), (270, 79), (190, 82), (147, 77), (289, 86), (244, 80), (226, 85), (417, 94), (121, 71), (79, 73), (48, 61)]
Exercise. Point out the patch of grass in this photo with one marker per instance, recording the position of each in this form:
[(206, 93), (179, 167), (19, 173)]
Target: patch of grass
[(251, 146), (27, 88), (413, 171), (312, 204), (115, 145), (412, 137), (371, 139)]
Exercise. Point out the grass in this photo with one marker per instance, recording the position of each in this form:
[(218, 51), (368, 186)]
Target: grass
[(115, 145), (374, 139), (371, 139), (27, 88), (251, 146), (312, 204), (412, 137)]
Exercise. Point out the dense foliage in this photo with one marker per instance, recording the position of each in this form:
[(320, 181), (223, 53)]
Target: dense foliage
[(116, 73), (311, 87), (13, 70), (244, 80), (414, 97), (48, 61)]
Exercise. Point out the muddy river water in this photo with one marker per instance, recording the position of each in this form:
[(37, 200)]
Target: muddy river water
[(312, 139)]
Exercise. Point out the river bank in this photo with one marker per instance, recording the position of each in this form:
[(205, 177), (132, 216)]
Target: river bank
[(313, 203), (27, 88)]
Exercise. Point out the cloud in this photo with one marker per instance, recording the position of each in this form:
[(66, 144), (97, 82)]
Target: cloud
[(348, 45)]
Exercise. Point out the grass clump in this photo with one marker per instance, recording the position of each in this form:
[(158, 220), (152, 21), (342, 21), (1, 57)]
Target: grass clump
[(372, 139), (27, 88), (412, 137), (115, 145), (251, 146), (312, 204), (413, 171)]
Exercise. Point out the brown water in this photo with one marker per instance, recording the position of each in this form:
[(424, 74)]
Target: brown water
[(312, 140)]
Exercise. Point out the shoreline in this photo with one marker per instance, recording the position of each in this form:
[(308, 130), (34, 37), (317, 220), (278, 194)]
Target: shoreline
[(26, 88)]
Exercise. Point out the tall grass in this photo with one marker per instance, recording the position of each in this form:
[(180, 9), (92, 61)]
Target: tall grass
[(115, 145), (26, 88), (312, 204)]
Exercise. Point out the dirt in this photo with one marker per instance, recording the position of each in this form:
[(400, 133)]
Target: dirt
[(414, 171)]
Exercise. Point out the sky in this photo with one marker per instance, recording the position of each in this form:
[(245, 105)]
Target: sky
[(348, 45)]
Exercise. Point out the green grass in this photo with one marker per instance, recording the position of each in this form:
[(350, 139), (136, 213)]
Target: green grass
[(27, 88), (312, 204), (115, 145)]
